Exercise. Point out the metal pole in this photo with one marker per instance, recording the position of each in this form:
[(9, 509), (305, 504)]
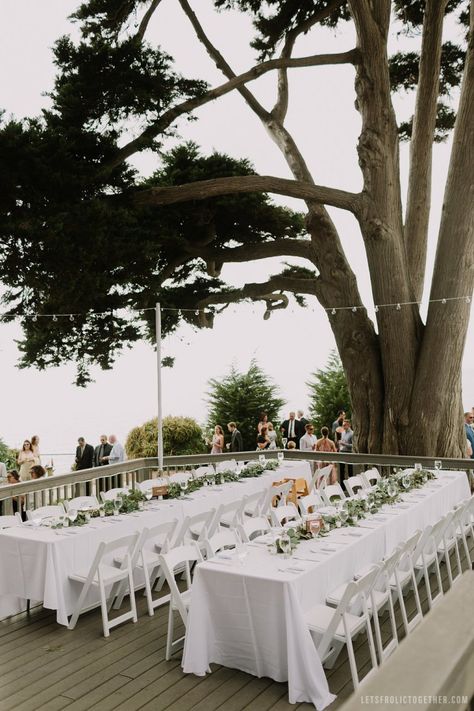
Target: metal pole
[(159, 387)]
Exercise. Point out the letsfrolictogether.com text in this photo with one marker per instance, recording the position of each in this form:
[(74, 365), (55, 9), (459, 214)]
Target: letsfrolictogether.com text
[(406, 700)]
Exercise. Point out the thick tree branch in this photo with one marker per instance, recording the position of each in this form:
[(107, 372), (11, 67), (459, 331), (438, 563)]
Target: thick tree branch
[(203, 189), (262, 250), (146, 19), (261, 291), (166, 119), (421, 147)]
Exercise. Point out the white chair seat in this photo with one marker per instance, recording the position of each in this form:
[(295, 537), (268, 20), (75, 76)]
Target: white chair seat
[(404, 577), (110, 574), (185, 598), (320, 616), (335, 597)]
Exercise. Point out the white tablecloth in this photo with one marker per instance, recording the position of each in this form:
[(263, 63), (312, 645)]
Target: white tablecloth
[(251, 616), (35, 563)]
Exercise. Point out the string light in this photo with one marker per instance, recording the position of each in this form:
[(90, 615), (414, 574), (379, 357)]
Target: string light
[(55, 318), (354, 309), (443, 301), (399, 306), (333, 311), (71, 317), (376, 308)]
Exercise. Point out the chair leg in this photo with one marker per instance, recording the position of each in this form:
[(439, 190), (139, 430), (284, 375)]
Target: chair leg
[(169, 638), (77, 611), (133, 603), (104, 608), (352, 663), (28, 606)]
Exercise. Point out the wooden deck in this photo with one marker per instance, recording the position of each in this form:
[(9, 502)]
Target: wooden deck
[(45, 667)]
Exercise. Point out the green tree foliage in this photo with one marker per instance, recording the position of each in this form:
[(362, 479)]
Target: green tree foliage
[(181, 435), (8, 456), (241, 397), (328, 393)]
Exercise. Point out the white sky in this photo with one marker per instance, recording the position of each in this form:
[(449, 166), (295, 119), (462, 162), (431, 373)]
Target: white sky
[(293, 343)]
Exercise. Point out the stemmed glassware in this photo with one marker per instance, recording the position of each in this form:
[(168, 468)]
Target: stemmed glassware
[(280, 457), (117, 505), (438, 464), (183, 485), (72, 515), (148, 495), (261, 459), (285, 544), (284, 442)]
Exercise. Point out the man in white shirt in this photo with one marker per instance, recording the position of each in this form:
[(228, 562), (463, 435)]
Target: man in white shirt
[(308, 440), (117, 453)]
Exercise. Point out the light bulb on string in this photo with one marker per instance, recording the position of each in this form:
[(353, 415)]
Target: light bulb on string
[(333, 311), (34, 317), (55, 318), (468, 299), (443, 301), (376, 309), (399, 307), (354, 309), (71, 317), (196, 313)]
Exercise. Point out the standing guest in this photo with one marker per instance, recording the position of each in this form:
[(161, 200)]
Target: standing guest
[(263, 421), (217, 441), (345, 443), (3, 471), (290, 429), (468, 420), (338, 423), (14, 478), (84, 455), (272, 435), (302, 419), (117, 453), (35, 447), (102, 450), (308, 440), (263, 440), (236, 442), (324, 444), (26, 459), (37, 471)]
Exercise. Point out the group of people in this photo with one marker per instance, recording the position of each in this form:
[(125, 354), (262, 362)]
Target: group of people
[(298, 433), (109, 451), (217, 442)]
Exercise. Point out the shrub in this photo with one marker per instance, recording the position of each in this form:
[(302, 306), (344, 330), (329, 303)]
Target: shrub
[(181, 435)]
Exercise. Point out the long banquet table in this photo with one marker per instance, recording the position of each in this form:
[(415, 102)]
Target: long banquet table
[(250, 615), (35, 562)]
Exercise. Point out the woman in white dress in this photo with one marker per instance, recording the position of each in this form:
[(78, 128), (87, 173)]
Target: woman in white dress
[(26, 459), (272, 436), (35, 448)]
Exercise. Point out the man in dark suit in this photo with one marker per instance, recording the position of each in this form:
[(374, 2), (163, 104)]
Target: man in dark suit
[(292, 429), (84, 455), (302, 421), (236, 443), (102, 450)]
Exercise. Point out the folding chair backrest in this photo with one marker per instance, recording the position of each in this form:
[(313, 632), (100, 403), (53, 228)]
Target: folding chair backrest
[(112, 494), (160, 536), (320, 478), (11, 521), (310, 503), (224, 539), (202, 471), (152, 483), (197, 525), (232, 512), (176, 559), (331, 493), (252, 503), (286, 513), (423, 543), (82, 502), (282, 490), (371, 475), (126, 545), (252, 527), (44, 512), (354, 483), (228, 464), (440, 527)]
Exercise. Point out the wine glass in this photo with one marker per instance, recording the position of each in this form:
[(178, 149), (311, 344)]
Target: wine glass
[(343, 515), (117, 505), (183, 485), (285, 544), (148, 495), (101, 511), (72, 515), (392, 489), (261, 459), (418, 467), (280, 457), (406, 481), (438, 464)]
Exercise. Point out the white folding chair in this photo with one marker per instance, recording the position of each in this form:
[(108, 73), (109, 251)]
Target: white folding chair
[(254, 503), (195, 528), (280, 514), (371, 477), (309, 504), (320, 478), (335, 627), (112, 494), (82, 502), (176, 559), (44, 512), (105, 576), (145, 558), (203, 471), (448, 544), (252, 527), (354, 483), (11, 521), (403, 577), (223, 540), (463, 525), (282, 491), (331, 493), (230, 464), (148, 484), (425, 558), (228, 515)]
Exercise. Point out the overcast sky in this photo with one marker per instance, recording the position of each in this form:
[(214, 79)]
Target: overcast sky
[(293, 343)]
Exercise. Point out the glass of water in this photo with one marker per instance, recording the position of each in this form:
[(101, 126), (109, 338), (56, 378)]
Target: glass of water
[(438, 464)]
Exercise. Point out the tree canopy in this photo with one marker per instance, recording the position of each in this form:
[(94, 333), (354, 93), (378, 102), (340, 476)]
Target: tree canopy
[(328, 393), (69, 192)]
